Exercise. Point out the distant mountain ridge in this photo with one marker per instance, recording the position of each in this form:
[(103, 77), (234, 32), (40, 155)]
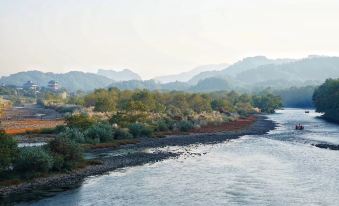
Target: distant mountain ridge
[(124, 75), (238, 67), (252, 74), (249, 74), (72, 81), (186, 76)]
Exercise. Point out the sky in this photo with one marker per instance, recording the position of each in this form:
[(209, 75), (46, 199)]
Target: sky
[(158, 37)]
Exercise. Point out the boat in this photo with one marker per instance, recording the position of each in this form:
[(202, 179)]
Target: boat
[(299, 127), (307, 111)]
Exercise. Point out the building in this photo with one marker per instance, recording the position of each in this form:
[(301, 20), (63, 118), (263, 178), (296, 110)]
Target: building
[(53, 85), (30, 85)]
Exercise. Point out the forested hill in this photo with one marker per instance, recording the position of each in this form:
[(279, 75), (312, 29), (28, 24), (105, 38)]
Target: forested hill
[(263, 72), (72, 81), (326, 99)]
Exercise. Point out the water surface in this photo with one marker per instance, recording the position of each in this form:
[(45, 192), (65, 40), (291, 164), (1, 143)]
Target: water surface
[(280, 168)]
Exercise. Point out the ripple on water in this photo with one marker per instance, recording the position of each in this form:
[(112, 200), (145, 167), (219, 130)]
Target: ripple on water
[(280, 168)]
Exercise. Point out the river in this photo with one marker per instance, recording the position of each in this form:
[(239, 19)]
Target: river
[(279, 168)]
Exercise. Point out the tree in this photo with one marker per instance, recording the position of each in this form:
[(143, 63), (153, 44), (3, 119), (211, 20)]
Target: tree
[(106, 101), (66, 153), (326, 99), (267, 102)]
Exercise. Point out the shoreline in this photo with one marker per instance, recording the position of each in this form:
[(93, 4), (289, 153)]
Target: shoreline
[(67, 181)]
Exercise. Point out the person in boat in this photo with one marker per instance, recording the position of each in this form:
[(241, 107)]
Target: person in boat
[(299, 127)]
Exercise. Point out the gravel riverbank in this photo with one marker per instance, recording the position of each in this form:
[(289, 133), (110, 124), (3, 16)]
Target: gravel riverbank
[(65, 181)]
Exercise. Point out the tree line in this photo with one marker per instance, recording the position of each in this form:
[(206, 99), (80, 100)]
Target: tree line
[(326, 99)]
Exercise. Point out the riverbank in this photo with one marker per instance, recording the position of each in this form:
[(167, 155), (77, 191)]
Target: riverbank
[(64, 181)]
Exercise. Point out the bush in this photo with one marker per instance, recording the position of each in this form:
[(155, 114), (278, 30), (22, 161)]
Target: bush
[(100, 131), (74, 134), (140, 130), (81, 121), (162, 126), (122, 134), (185, 125), (66, 153), (8, 152), (33, 161)]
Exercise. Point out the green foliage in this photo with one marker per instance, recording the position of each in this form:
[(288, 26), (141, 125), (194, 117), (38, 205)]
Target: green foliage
[(8, 152), (122, 133), (326, 99), (140, 130), (66, 153), (162, 126), (33, 161), (124, 119), (185, 125), (99, 131), (73, 134), (267, 102), (244, 109), (81, 121)]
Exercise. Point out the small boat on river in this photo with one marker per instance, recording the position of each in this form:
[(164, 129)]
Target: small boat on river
[(299, 127)]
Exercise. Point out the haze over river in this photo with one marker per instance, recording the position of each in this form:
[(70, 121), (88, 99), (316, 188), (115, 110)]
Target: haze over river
[(279, 168)]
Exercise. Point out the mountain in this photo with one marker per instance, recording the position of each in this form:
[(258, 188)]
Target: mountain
[(240, 66), (71, 81), (252, 74), (185, 76), (211, 84), (118, 76), (312, 69), (150, 85)]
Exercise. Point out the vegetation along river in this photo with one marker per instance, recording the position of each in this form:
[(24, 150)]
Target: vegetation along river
[(279, 168)]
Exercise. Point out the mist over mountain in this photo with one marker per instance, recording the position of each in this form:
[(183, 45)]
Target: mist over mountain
[(253, 73), (124, 75), (71, 81), (249, 74), (186, 76), (238, 67), (316, 69)]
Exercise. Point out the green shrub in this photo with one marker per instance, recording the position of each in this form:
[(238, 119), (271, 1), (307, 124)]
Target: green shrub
[(81, 121), (60, 128), (100, 131), (140, 130), (162, 126), (8, 152), (67, 153), (33, 161), (74, 134), (185, 125), (120, 133)]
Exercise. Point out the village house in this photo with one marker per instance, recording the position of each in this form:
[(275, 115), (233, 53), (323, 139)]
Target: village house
[(30, 85), (53, 85)]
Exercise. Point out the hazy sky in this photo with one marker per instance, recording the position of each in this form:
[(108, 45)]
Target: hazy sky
[(154, 37)]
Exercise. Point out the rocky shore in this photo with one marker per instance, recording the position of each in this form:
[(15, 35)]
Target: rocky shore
[(65, 181)]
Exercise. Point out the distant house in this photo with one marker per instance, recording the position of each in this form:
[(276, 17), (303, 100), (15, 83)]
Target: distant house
[(53, 85), (30, 85)]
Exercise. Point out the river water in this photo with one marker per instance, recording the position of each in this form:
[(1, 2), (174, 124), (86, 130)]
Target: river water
[(280, 168)]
